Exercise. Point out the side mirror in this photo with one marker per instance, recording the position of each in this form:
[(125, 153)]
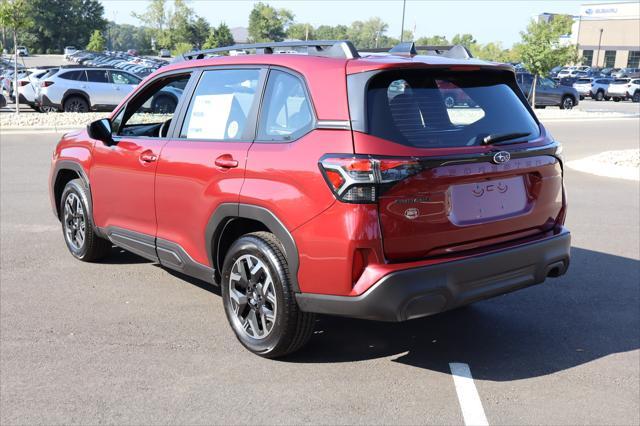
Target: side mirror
[(101, 130)]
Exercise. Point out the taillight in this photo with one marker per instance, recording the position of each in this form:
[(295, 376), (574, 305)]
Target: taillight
[(22, 83), (361, 179), (46, 83)]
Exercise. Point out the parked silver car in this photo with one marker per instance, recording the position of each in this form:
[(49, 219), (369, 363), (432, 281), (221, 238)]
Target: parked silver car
[(600, 88), (80, 89)]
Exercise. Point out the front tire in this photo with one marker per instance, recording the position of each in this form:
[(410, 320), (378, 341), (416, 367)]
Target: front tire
[(258, 298), (636, 97), (77, 224), (599, 96)]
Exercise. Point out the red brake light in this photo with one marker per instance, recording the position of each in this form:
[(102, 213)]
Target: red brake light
[(359, 179), (46, 83), (22, 83)]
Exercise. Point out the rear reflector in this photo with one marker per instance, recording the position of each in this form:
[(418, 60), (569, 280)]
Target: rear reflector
[(357, 179)]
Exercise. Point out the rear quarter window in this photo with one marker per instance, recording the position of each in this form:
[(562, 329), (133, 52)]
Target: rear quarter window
[(77, 75), (433, 109)]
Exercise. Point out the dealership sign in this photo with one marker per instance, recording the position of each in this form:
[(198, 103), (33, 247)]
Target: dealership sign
[(611, 11)]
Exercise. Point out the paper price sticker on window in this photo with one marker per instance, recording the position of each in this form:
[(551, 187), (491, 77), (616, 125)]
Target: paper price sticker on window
[(209, 117)]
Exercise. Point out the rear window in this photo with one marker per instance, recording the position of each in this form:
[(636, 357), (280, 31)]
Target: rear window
[(51, 72), (620, 81), (583, 81), (434, 109)]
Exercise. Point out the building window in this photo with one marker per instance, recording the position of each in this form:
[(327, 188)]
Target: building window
[(609, 58), (634, 59), (587, 57)]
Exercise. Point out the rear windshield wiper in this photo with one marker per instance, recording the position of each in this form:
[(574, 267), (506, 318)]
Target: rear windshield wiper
[(491, 139)]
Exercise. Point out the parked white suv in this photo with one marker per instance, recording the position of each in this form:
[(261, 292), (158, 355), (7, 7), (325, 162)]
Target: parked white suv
[(625, 88), (85, 89)]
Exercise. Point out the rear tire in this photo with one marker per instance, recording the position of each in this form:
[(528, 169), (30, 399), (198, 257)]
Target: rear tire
[(258, 298), (599, 96), (567, 102), (581, 98), (77, 224), (616, 99), (636, 97), (76, 104)]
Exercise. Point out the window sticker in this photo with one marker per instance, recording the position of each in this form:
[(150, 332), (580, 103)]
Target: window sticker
[(209, 117)]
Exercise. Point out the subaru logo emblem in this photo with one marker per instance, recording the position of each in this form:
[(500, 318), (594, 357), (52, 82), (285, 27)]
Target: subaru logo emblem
[(501, 157)]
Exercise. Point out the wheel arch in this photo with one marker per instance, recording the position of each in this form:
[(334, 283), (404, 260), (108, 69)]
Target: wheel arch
[(75, 92), (231, 220), (64, 172)]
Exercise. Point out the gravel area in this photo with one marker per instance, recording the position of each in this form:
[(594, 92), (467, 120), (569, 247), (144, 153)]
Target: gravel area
[(62, 120), (623, 164)]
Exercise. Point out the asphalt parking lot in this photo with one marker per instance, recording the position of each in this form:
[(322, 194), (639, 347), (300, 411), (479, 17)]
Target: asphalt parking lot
[(128, 342)]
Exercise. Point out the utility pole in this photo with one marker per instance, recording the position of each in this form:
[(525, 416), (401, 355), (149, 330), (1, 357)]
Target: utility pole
[(599, 44), (404, 5)]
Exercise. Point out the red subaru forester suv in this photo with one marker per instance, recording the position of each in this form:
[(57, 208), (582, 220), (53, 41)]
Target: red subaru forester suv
[(332, 182)]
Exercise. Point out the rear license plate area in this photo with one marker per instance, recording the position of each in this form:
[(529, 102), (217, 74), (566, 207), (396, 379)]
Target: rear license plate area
[(487, 201)]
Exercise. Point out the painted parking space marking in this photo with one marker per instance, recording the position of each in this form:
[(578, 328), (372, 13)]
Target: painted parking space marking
[(470, 403)]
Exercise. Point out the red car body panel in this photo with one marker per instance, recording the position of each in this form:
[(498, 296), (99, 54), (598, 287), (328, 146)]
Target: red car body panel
[(123, 184), (284, 177), (188, 177), (343, 249)]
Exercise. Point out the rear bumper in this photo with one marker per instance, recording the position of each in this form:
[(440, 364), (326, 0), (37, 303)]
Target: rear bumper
[(418, 292)]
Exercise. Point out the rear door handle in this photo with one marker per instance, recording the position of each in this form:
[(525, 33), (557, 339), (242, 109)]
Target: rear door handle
[(226, 161), (148, 156)]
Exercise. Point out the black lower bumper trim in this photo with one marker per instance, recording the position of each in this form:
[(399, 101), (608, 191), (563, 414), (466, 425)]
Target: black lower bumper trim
[(418, 292)]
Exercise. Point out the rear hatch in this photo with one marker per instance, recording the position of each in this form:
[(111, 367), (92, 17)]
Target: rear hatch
[(454, 176), (619, 86)]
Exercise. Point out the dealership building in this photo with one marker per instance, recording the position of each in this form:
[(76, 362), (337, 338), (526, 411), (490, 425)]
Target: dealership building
[(608, 34)]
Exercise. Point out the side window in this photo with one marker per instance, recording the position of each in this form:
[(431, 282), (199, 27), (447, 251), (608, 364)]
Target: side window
[(118, 77), (77, 75), (286, 110), (150, 112), (97, 76), (221, 105)]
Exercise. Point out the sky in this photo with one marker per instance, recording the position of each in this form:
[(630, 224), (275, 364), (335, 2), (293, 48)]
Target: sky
[(487, 20)]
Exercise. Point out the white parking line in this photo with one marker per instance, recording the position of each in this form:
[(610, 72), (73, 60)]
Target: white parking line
[(468, 397)]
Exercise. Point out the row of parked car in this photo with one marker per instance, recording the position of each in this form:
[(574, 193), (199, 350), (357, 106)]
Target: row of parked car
[(128, 61), (600, 89), (96, 82)]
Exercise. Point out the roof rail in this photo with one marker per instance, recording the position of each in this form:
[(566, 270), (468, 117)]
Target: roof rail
[(330, 48), (410, 49)]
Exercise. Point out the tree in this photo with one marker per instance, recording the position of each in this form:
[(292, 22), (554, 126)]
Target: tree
[(300, 32), (327, 32), (199, 32), (541, 49), (219, 37), (180, 23), (268, 24), (58, 23), (369, 33), (125, 36), (157, 18), (436, 40), (96, 43), (13, 15), (465, 40)]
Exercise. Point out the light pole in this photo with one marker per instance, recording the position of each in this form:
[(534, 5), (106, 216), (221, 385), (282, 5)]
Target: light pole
[(599, 44), (404, 5)]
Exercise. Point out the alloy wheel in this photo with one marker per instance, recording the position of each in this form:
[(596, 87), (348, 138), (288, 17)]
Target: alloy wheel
[(567, 103), (252, 296), (74, 221)]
